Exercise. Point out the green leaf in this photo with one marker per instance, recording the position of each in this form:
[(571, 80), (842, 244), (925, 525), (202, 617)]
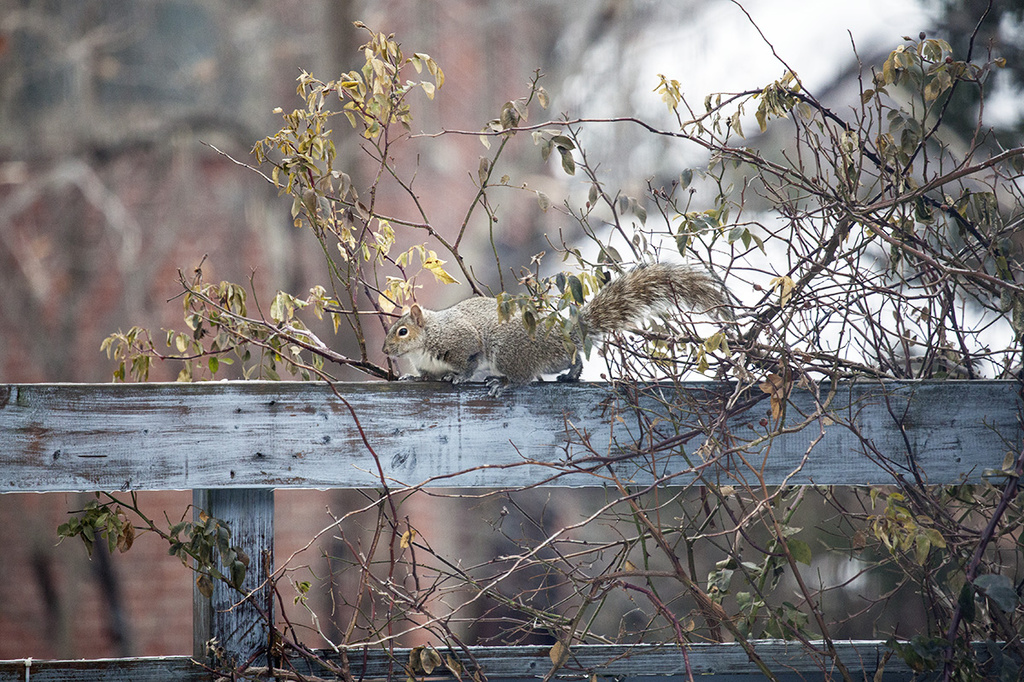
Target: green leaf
[(568, 164), (543, 201), (509, 118), (562, 142), (576, 287), (545, 148), (999, 589), (237, 573), (609, 254), (530, 322), (682, 243), (205, 586), (800, 550), (966, 603)]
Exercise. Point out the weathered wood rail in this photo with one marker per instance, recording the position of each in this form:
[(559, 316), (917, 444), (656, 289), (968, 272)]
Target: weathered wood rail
[(233, 443)]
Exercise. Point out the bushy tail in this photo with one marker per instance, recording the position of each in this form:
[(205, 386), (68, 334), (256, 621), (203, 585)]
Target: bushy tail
[(650, 289)]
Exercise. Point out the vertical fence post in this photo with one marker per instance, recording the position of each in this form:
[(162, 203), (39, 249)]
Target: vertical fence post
[(239, 629)]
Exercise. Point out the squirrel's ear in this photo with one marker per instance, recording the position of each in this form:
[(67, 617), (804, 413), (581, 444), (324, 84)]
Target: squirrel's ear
[(416, 313)]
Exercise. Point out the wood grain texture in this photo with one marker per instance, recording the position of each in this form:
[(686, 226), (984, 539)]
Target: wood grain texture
[(712, 662), (83, 437)]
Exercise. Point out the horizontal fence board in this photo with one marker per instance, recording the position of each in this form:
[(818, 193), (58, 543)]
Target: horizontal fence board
[(83, 437), (706, 660), (148, 669), (712, 662)]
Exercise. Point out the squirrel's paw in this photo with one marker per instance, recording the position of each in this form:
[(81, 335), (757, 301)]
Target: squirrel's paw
[(411, 377), (495, 386)]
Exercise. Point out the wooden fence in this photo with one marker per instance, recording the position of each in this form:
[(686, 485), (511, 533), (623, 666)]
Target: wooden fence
[(233, 443)]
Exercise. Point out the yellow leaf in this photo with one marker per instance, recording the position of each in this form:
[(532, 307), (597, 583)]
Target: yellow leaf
[(734, 121), (453, 665), (784, 285), (702, 360), (775, 386), (922, 547), (429, 659), (433, 264), (544, 100), (414, 660), (558, 654), (126, 538), (407, 538)]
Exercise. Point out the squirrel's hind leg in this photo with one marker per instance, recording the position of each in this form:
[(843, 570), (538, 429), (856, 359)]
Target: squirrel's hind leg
[(574, 371), (496, 386)]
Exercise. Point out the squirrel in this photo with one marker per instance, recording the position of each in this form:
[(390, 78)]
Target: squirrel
[(452, 344)]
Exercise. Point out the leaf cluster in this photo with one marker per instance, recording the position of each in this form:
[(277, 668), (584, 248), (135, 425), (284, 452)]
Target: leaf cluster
[(99, 520), (204, 542), (198, 544)]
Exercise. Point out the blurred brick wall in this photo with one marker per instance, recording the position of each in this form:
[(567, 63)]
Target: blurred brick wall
[(54, 606), (107, 190)]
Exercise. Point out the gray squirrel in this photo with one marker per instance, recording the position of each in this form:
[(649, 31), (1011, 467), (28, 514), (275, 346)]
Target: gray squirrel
[(452, 344)]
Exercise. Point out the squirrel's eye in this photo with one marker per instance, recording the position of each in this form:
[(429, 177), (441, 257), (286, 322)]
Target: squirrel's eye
[(403, 331)]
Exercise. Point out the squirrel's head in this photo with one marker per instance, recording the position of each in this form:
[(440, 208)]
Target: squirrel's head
[(404, 335)]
